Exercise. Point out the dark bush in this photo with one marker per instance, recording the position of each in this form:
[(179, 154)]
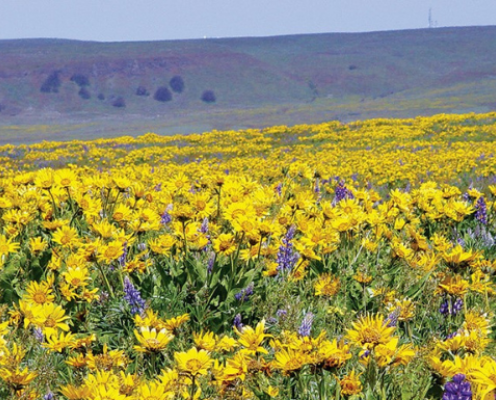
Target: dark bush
[(80, 80), (352, 67), (2, 107), (163, 94), (177, 84), (208, 96), (52, 83), (100, 96), (84, 93), (119, 102), (141, 91)]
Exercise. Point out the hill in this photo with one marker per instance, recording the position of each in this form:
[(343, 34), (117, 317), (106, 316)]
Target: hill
[(60, 89)]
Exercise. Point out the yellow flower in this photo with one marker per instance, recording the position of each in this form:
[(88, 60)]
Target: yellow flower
[(205, 341), (77, 277), (39, 293), (59, 341), (153, 391), (44, 178), (485, 376), (289, 361), (251, 339), (193, 362), (17, 378), (37, 244), (65, 236), (107, 360), (50, 317), (7, 246), (350, 384), (327, 285), (224, 244), (453, 285), (172, 324), (152, 341), (72, 392), (370, 331), (110, 252)]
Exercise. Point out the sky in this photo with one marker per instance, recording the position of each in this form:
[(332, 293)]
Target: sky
[(136, 20)]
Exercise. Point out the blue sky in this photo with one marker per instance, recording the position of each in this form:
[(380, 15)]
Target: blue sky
[(131, 20)]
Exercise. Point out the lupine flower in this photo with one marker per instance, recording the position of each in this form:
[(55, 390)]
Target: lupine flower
[(237, 322), (306, 324), (286, 256), (481, 211), (316, 188), (392, 319), (165, 218), (204, 225), (49, 396), (122, 259), (279, 189), (38, 334), (342, 192), (448, 307), (457, 389), (281, 313), (244, 294), (133, 297), (211, 262)]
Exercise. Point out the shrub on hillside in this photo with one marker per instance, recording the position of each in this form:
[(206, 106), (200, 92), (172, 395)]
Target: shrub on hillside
[(163, 94), (84, 93), (52, 83), (208, 96), (177, 84), (100, 96), (119, 102), (141, 91), (80, 80)]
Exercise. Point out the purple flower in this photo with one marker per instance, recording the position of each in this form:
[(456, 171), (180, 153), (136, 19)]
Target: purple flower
[(281, 314), (38, 334), (457, 389), (165, 218), (211, 262), (133, 297), (392, 319), (481, 211), (204, 225), (49, 396), (342, 192), (306, 324), (286, 256), (316, 188), (122, 259), (450, 307), (244, 294), (279, 189), (237, 322)]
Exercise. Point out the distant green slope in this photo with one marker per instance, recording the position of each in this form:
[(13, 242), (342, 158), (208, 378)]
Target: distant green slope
[(89, 89)]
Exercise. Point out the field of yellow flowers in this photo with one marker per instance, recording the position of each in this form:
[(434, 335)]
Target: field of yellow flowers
[(330, 261)]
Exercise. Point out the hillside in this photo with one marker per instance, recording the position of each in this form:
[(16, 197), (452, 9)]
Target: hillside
[(59, 89)]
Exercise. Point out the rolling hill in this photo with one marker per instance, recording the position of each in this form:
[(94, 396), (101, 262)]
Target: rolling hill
[(62, 89)]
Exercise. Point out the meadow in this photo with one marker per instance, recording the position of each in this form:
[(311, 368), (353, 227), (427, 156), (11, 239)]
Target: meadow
[(327, 261)]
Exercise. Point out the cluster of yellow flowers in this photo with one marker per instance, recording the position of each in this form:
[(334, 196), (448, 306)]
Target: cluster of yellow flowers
[(378, 222)]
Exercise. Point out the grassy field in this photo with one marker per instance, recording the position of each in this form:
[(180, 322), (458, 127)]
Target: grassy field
[(258, 82)]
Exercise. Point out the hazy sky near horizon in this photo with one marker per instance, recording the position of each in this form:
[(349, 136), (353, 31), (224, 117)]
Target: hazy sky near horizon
[(131, 20)]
